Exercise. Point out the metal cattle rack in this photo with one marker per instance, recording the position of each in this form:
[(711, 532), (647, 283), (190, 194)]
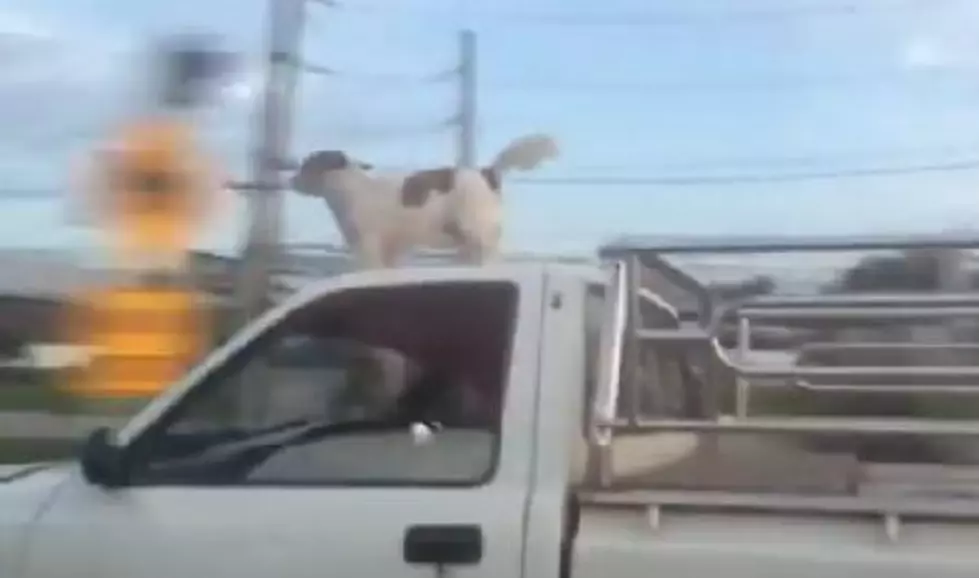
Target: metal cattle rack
[(626, 379)]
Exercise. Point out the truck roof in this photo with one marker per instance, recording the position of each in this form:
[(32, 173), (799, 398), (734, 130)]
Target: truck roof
[(424, 274)]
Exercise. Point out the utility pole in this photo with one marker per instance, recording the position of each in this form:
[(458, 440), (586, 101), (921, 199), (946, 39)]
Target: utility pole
[(261, 246), (467, 98), (286, 23)]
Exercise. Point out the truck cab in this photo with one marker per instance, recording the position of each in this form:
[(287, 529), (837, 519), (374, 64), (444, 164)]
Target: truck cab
[(253, 466), (489, 422)]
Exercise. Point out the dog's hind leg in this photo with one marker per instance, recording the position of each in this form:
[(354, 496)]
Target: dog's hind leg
[(471, 255), (480, 251), (489, 244)]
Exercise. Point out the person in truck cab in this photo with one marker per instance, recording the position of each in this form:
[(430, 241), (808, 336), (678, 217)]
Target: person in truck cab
[(436, 397)]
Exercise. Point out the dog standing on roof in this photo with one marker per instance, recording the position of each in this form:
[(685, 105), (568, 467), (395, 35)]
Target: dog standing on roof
[(384, 217)]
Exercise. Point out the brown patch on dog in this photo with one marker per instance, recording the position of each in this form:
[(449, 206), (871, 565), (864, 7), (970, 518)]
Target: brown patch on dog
[(417, 186), (492, 178)]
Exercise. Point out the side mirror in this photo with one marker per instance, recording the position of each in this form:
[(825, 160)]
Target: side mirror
[(103, 462)]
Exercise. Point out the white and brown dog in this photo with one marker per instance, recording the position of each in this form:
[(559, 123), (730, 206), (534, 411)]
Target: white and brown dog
[(384, 217)]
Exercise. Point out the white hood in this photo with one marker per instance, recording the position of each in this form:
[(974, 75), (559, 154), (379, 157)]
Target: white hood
[(24, 491)]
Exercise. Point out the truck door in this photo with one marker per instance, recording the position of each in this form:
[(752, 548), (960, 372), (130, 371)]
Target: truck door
[(417, 477)]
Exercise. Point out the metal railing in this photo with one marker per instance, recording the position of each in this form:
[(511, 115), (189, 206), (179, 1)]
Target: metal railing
[(652, 252), (722, 367)]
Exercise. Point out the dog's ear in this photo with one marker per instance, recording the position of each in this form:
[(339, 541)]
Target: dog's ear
[(324, 161), (365, 166), (307, 179)]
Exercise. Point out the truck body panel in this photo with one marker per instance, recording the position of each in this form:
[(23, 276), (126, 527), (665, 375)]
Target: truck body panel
[(306, 529), (631, 542), (25, 490), (580, 484)]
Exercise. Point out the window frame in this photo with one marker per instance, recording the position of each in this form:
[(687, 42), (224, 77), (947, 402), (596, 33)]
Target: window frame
[(591, 360), (136, 449)]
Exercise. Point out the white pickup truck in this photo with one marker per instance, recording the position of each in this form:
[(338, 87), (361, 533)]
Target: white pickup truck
[(501, 455)]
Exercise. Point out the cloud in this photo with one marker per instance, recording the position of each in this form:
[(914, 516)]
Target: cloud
[(52, 47), (926, 53), (64, 83), (941, 35), (245, 86), (242, 90), (24, 27), (54, 71)]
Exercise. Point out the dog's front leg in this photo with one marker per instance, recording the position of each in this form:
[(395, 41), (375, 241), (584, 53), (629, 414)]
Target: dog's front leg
[(481, 249), (394, 253), (369, 253)]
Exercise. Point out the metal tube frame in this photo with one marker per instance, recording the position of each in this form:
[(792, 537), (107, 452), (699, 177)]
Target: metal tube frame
[(859, 308)]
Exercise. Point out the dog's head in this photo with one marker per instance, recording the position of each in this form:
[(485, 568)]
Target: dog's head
[(320, 165)]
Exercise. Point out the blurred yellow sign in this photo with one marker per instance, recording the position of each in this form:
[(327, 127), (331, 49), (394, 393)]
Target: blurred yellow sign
[(154, 187), (152, 190), (140, 339)]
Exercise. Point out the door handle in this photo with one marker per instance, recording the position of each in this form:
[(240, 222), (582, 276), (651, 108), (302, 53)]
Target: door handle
[(443, 544)]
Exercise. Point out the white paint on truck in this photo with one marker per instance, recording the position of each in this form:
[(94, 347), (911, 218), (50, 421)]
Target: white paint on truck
[(366, 502)]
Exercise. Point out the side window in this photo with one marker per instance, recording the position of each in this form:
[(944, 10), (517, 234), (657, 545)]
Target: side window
[(294, 377), (373, 386)]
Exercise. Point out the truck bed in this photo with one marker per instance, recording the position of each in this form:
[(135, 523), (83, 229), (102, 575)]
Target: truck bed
[(628, 542), (753, 508), (759, 465)]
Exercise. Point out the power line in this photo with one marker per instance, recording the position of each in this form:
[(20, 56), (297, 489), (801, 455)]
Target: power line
[(30, 194), (382, 77), (647, 18), (687, 180), (950, 154), (388, 131), (774, 83), (967, 150), (693, 180)]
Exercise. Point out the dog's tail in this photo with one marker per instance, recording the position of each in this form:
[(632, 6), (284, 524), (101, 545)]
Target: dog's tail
[(525, 153)]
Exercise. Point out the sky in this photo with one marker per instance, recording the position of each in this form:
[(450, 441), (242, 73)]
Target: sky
[(678, 98)]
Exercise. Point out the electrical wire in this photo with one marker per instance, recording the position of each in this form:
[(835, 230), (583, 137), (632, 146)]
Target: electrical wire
[(361, 132), (647, 18), (30, 194), (641, 19), (844, 157), (381, 77), (686, 180), (885, 79), (772, 84), (694, 180)]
